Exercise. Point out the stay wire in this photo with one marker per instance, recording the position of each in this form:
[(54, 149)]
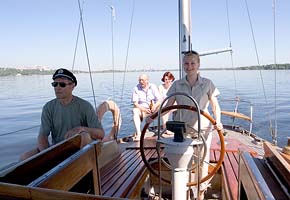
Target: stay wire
[(113, 55), (230, 44), (24, 129), (113, 62), (77, 40), (258, 61), (128, 47), (275, 131), (87, 53), (232, 62)]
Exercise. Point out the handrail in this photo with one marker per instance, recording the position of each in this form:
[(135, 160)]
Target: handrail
[(236, 115)]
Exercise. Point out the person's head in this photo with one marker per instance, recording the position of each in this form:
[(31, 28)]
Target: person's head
[(144, 80), (191, 62), (168, 78), (63, 82)]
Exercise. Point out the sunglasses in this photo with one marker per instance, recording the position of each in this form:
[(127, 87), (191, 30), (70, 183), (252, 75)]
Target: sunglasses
[(61, 84)]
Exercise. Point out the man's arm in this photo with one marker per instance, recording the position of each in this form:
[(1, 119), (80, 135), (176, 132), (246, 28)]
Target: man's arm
[(169, 102), (141, 108), (95, 133), (42, 142)]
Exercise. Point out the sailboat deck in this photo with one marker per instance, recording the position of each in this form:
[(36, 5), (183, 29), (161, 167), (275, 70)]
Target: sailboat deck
[(123, 173), (230, 166)]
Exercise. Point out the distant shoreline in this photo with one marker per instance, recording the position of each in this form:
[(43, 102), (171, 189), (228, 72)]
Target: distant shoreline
[(42, 71)]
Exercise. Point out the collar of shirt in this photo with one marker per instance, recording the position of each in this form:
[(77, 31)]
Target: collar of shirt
[(199, 80)]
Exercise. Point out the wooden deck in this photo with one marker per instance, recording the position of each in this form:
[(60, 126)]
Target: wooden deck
[(123, 177), (120, 177), (123, 173), (229, 173), (243, 168), (230, 166)]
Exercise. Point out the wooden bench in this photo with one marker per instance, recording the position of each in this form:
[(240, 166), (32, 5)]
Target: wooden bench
[(78, 173), (28, 170), (123, 176)]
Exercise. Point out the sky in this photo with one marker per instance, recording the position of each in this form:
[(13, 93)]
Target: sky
[(44, 33)]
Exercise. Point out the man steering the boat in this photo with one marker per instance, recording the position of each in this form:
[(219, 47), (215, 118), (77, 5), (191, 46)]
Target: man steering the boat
[(66, 115), (204, 92), (146, 99)]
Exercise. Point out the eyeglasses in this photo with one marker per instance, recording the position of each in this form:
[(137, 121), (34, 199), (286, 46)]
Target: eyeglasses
[(61, 84)]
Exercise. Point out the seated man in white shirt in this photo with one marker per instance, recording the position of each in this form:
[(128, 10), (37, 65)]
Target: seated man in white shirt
[(146, 100)]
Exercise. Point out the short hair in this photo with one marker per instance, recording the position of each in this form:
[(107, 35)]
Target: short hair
[(191, 53), (144, 76), (169, 75)]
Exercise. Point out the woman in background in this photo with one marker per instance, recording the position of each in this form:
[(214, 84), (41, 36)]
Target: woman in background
[(167, 80)]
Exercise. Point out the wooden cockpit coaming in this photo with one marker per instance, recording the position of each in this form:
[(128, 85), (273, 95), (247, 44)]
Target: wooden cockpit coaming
[(26, 171)]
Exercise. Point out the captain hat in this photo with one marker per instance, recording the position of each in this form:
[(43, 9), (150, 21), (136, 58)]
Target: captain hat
[(64, 73)]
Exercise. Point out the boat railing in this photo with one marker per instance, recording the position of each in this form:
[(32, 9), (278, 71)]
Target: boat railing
[(82, 164), (234, 113)]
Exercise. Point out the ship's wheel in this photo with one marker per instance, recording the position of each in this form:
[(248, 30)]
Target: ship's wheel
[(155, 172)]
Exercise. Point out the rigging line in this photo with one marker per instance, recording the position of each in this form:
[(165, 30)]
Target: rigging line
[(128, 45), (113, 57), (274, 134), (232, 64), (256, 50), (260, 71), (230, 44), (77, 40), (24, 129), (87, 53), (113, 63)]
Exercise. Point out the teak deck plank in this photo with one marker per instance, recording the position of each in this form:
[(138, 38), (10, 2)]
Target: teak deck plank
[(120, 175), (234, 158), (229, 176), (106, 171), (133, 177), (230, 166), (114, 181)]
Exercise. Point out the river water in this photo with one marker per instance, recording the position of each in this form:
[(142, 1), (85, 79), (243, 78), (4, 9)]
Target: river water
[(22, 98)]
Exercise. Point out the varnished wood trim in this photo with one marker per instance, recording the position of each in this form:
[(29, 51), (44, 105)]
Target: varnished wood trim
[(236, 115)]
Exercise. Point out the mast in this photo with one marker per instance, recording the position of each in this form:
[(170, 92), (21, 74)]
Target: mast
[(185, 44), (184, 31)]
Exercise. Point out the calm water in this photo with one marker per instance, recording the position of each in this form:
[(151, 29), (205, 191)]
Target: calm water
[(22, 98)]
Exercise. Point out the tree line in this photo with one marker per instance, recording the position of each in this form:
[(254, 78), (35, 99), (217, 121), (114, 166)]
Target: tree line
[(15, 71)]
